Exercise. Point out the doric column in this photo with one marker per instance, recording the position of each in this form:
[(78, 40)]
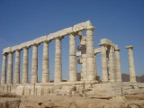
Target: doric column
[(118, 65), (72, 58), (112, 64), (58, 62), (34, 73), (90, 75), (25, 66), (95, 69), (45, 63), (17, 67), (10, 68), (3, 76), (104, 63), (131, 64)]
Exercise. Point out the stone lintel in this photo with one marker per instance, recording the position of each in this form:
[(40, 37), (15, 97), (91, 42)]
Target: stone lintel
[(59, 33), (75, 29)]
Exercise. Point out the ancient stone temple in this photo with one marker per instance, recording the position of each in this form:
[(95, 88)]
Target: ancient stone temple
[(111, 79)]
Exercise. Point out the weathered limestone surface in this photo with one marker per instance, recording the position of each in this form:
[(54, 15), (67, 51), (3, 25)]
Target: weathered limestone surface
[(34, 73), (25, 66), (58, 62), (72, 58), (131, 64), (17, 68), (45, 63)]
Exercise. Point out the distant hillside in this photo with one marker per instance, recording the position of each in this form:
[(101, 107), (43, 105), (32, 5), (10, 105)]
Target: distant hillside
[(125, 78)]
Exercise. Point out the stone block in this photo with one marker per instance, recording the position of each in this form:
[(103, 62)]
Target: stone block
[(7, 50), (39, 40), (81, 26)]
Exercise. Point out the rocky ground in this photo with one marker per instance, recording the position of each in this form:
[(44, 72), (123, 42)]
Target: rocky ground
[(53, 101)]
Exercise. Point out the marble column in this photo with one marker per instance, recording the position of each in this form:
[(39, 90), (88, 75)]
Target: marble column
[(104, 63), (17, 67), (90, 75), (118, 65), (45, 63), (4, 66), (25, 66), (131, 64), (95, 69), (112, 64), (34, 73), (72, 58), (58, 61), (84, 67), (10, 68)]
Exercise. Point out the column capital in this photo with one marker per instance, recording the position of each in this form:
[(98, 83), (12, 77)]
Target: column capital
[(46, 41), (35, 44), (59, 38), (102, 44), (5, 54), (90, 28), (117, 49), (129, 47)]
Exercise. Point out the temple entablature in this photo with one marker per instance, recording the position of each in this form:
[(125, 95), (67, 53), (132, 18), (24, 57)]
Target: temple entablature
[(76, 29)]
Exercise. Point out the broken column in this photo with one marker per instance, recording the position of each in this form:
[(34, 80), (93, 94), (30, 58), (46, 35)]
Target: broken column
[(131, 64)]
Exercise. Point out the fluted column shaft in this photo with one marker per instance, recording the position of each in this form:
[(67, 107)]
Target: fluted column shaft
[(45, 63), (10, 68), (3, 76), (90, 75), (72, 58), (84, 67), (17, 68), (95, 69), (118, 65), (131, 64), (112, 64), (58, 62), (104, 64), (34, 73), (25, 66)]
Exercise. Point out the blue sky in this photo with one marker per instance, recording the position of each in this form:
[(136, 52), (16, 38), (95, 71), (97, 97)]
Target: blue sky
[(122, 21)]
